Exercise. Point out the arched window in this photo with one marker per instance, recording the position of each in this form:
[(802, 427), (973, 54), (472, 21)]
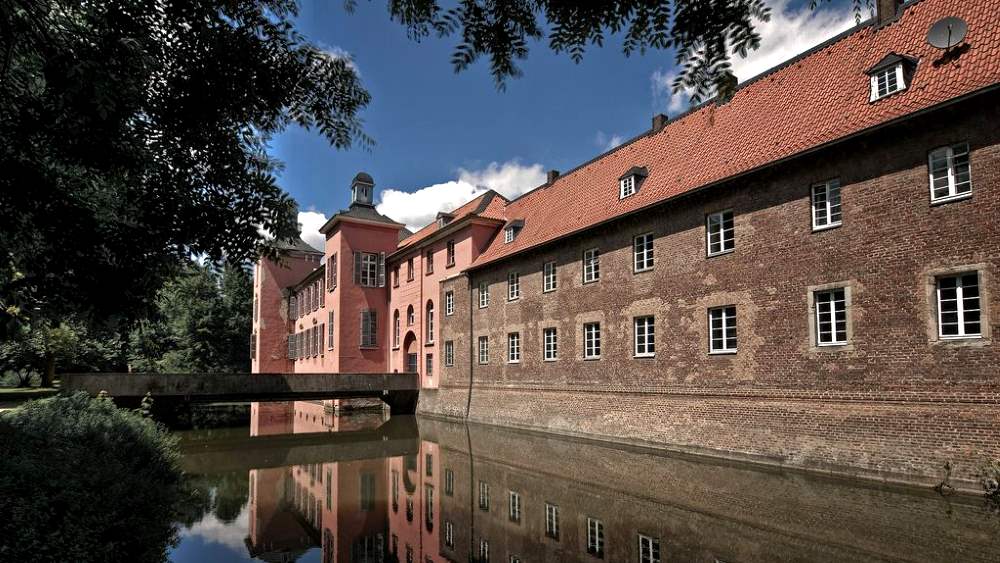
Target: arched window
[(409, 316), (395, 328), (430, 321)]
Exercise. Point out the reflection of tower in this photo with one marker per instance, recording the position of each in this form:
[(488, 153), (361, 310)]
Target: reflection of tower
[(414, 505), (337, 506)]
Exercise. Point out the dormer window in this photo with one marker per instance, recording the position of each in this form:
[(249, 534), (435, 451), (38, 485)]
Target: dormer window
[(892, 74), (443, 219), (630, 182), (511, 230), (627, 186)]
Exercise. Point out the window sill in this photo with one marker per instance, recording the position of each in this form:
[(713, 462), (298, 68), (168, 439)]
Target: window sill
[(722, 353), (549, 290), (826, 227), (960, 338), (452, 265), (396, 347), (591, 358), (643, 356), (951, 198), (722, 253), (551, 360), (511, 300), (431, 343), (642, 271), (513, 362), (586, 282), (833, 345)]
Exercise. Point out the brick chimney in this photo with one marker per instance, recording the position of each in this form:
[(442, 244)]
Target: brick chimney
[(886, 11), (659, 122), (551, 176)]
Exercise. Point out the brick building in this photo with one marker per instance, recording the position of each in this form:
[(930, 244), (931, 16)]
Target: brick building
[(803, 275)]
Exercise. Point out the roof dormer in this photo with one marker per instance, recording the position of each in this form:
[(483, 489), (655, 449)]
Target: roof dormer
[(511, 230), (890, 75), (443, 219), (630, 181)]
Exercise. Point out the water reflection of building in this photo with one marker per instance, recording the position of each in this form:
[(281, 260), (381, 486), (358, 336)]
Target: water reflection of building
[(485, 494)]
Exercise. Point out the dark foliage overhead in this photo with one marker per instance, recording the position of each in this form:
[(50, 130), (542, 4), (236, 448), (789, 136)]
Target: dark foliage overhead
[(133, 133)]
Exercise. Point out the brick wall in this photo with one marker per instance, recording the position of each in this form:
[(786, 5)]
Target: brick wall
[(895, 402)]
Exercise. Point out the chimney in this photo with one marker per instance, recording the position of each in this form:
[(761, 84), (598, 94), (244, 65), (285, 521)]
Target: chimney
[(551, 176), (886, 11), (659, 122)]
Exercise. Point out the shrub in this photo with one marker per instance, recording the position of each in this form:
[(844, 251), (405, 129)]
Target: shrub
[(82, 480), (20, 378)]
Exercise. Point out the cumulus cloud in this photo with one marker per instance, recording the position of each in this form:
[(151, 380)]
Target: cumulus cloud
[(607, 142), (212, 530), (419, 207), (790, 31), (335, 52), (309, 224)]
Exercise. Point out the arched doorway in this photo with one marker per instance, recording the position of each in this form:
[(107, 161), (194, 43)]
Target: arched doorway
[(411, 355)]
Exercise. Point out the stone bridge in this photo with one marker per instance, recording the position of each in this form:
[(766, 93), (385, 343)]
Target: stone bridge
[(398, 390)]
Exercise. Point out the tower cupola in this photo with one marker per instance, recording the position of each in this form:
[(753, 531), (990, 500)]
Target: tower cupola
[(362, 189)]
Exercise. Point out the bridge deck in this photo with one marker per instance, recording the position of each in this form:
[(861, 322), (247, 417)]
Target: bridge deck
[(393, 388)]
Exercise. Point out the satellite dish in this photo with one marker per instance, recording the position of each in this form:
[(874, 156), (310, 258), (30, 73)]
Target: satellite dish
[(947, 33)]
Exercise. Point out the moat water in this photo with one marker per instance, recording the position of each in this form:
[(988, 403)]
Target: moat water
[(301, 484)]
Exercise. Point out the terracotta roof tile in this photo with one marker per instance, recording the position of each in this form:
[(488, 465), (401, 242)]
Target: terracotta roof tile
[(489, 205), (817, 99)]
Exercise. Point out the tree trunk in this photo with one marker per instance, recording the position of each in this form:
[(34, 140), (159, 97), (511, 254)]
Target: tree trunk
[(49, 374)]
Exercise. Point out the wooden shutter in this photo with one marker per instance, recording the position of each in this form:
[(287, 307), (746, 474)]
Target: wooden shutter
[(357, 268), (333, 273), (322, 336)]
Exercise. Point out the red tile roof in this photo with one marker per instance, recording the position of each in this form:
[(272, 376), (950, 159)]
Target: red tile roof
[(808, 102), (489, 205)]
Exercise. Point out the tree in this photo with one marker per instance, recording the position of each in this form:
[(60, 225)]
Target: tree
[(37, 350), (703, 33), (133, 133), (201, 324)]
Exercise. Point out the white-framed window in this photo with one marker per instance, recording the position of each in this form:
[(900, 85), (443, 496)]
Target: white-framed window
[(484, 295), (449, 482), (826, 204), (549, 281), (645, 337), (449, 534), (626, 186), (411, 316), (509, 234), (484, 551), (369, 328), (720, 233), (949, 171), (450, 254), (591, 265), (887, 81), (722, 330), (484, 350), (329, 330), (591, 341), (513, 286), (449, 353), (429, 316), (649, 549), (449, 303), (550, 344), (484, 495), (369, 269), (642, 251), (831, 317), (595, 537), (551, 520), (396, 328), (430, 262), (514, 506), (429, 365), (958, 305), (513, 347)]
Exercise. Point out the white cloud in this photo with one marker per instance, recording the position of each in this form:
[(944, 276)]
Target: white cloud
[(309, 224), (790, 31), (607, 142), (662, 83), (212, 530), (421, 206)]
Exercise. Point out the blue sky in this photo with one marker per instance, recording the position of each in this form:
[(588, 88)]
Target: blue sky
[(444, 137)]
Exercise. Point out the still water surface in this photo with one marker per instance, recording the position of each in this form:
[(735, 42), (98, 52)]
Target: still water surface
[(301, 484)]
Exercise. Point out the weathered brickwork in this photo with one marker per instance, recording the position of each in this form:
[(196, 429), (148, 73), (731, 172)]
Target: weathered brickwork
[(895, 401)]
